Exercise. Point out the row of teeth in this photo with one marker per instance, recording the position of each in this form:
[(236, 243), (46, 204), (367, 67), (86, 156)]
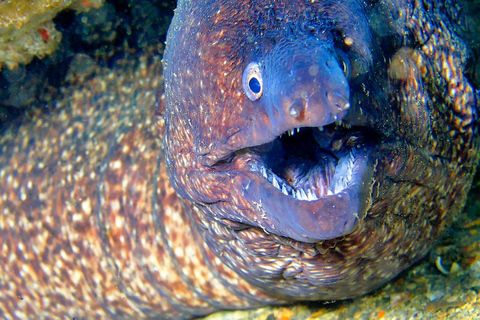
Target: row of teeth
[(341, 180), (291, 132), (343, 173), (338, 123), (300, 194)]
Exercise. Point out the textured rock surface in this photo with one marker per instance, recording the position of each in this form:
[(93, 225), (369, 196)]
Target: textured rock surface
[(27, 30)]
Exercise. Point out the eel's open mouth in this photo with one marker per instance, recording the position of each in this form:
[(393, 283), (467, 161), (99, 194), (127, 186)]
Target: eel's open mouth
[(309, 183), (312, 163)]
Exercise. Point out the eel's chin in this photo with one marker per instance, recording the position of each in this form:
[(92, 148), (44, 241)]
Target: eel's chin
[(309, 184)]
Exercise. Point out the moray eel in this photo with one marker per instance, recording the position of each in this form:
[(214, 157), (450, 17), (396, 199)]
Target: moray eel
[(312, 150)]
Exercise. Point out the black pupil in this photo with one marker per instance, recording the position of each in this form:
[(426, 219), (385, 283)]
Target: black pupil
[(254, 85)]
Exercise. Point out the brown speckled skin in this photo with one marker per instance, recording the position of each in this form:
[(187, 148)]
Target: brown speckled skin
[(91, 227), (411, 90)]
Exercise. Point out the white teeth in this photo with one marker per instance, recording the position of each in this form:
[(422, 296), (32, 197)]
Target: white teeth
[(343, 173), (352, 159), (304, 195), (275, 183), (264, 172), (269, 178), (298, 195), (291, 132), (310, 195), (335, 180), (284, 190)]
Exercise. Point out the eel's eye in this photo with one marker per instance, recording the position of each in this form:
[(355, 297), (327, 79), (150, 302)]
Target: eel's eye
[(252, 81)]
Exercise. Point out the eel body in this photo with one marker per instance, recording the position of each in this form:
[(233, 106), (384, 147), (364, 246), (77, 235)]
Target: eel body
[(307, 150)]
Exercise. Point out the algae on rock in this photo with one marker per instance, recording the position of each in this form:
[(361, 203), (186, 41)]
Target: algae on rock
[(27, 29)]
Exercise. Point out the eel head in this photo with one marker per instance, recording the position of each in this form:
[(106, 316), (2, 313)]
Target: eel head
[(322, 145), (256, 132)]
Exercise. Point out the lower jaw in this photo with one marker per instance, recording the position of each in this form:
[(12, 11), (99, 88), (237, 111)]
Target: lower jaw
[(309, 220), (315, 182), (312, 163)]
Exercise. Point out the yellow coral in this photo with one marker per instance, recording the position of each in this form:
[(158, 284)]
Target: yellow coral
[(27, 30)]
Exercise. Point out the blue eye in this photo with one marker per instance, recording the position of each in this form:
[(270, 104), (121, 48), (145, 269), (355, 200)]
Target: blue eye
[(254, 85), (252, 81)]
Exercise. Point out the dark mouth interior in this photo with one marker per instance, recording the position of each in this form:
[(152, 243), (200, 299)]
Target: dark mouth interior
[(294, 156), (311, 163)]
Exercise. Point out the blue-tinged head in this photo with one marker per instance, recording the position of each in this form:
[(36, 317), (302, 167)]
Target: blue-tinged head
[(241, 84), (312, 136)]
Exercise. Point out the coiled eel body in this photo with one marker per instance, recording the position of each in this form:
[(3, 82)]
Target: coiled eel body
[(308, 154)]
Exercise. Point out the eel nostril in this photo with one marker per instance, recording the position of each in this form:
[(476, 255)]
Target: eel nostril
[(296, 109), (337, 100)]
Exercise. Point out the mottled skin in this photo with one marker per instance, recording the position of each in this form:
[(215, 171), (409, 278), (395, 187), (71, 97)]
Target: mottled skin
[(92, 227), (406, 86)]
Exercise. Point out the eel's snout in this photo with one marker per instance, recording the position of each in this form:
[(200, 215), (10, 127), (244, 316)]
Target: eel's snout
[(305, 90)]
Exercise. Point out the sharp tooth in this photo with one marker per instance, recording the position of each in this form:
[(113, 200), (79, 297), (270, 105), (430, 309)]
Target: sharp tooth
[(298, 130), (291, 132), (275, 183), (309, 194), (320, 128), (264, 172), (284, 190), (304, 195), (298, 195), (329, 192), (270, 177)]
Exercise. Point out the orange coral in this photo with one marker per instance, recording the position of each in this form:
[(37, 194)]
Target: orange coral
[(27, 30)]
